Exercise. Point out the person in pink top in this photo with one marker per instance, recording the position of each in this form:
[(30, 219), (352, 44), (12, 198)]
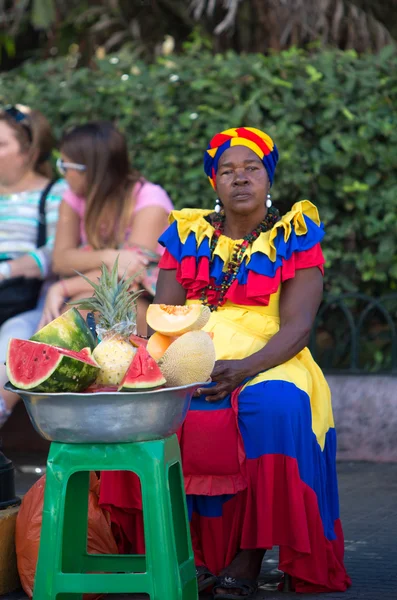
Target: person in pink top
[(109, 211)]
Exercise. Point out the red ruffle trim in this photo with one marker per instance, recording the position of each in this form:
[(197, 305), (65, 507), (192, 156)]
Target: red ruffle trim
[(277, 509), (194, 276), (305, 259)]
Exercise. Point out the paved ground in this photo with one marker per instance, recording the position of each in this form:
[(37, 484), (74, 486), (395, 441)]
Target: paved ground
[(368, 495)]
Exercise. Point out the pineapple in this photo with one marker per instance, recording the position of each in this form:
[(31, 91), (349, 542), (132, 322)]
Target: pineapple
[(116, 307)]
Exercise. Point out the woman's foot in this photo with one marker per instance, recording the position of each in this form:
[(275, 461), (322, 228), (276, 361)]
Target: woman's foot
[(204, 578), (246, 566)]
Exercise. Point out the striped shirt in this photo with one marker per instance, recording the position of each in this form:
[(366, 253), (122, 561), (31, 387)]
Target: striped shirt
[(19, 221)]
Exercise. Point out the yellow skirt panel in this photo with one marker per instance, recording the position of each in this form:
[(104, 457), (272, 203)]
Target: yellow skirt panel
[(241, 331)]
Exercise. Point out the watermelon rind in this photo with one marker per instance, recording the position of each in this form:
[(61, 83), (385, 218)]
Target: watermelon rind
[(69, 331), (67, 374), (142, 374), (136, 387)]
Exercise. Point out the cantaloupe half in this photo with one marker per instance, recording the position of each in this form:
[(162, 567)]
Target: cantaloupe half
[(188, 359), (176, 320), (158, 344)]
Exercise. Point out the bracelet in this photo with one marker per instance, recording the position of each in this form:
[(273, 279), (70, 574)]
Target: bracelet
[(64, 288), (38, 262)]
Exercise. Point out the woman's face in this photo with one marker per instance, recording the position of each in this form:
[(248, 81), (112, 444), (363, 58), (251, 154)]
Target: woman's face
[(13, 160), (77, 180), (241, 181)]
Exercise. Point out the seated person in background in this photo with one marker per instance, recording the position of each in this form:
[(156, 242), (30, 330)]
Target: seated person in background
[(109, 211), (26, 183)]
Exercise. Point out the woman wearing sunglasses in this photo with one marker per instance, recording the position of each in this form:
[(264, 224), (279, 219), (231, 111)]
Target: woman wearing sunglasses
[(29, 202), (110, 210)]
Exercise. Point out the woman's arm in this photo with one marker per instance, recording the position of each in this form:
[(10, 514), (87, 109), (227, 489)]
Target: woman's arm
[(299, 302), (168, 290), (147, 226), (25, 266), (61, 291), (67, 256)]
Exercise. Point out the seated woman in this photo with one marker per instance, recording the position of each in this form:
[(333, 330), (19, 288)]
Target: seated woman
[(29, 202), (258, 447), (110, 210)]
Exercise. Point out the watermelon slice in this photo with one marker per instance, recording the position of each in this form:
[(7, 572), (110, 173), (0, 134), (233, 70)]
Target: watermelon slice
[(45, 368), (143, 373), (137, 341)]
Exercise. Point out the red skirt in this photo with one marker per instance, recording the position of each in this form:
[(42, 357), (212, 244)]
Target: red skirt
[(255, 477)]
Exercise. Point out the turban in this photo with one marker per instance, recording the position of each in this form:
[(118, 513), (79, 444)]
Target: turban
[(254, 139)]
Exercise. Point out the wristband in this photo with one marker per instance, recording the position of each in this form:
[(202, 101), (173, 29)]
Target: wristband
[(38, 262), (5, 269)]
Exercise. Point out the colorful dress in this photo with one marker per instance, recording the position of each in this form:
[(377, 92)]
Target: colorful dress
[(259, 466)]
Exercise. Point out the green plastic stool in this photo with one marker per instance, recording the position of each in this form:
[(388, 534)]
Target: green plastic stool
[(65, 570)]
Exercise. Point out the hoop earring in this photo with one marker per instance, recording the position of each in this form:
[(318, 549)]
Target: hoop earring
[(268, 201), (218, 206)]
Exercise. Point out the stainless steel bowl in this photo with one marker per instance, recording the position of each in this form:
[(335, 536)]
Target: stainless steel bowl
[(108, 417)]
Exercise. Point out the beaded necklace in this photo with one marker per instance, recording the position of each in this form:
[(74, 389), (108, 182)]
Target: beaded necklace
[(233, 266)]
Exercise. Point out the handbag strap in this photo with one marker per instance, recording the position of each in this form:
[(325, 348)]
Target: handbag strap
[(42, 230)]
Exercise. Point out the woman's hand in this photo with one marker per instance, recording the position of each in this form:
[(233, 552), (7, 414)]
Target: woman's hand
[(54, 302), (228, 375), (132, 264)]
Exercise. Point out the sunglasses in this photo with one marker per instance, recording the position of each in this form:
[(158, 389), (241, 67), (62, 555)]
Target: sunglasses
[(19, 117), (63, 166)]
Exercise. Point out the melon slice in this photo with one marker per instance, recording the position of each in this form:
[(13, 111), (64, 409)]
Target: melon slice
[(176, 320), (142, 374), (69, 331), (158, 344), (45, 368), (189, 359)]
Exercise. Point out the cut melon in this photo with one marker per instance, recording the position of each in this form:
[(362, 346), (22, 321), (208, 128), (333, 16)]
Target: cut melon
[(176, 320), (143, 373), (45, 368), (189, 359), (158, 344)]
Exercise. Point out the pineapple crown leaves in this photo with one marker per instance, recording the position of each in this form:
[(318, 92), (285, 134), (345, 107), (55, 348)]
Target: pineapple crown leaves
[(113, 301)]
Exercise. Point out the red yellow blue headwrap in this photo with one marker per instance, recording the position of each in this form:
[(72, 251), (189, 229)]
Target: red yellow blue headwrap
[(258, 141)]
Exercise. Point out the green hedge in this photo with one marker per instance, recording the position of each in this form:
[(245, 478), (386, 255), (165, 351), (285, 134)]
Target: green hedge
[(332, 114)]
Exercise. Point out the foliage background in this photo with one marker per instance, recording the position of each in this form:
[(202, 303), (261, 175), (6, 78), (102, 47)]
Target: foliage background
[(331, 113)]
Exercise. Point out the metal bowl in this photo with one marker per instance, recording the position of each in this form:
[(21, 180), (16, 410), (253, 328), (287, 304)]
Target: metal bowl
[(108, 417)]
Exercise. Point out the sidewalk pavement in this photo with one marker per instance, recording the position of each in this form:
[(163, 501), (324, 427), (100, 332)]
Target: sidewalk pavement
[(368, 497)]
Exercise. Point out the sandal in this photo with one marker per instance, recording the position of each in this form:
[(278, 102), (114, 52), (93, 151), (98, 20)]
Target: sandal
[(209, 578), (248, 588)]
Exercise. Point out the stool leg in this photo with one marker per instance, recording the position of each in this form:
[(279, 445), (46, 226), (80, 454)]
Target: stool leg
[(74, 542), (181, 530), (160, 554), (49, 559), (161, 546)]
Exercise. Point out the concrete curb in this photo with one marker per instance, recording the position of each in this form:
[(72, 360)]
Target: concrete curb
[(365, 412)]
